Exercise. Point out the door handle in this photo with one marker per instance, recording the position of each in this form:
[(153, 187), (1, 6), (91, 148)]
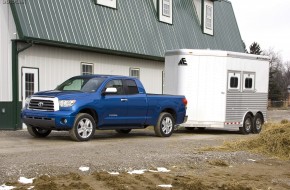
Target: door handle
[(124, 100)]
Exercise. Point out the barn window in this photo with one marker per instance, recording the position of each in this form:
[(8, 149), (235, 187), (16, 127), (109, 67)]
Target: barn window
[(165, 11), (86, 68), (207, 18), (135, 72)]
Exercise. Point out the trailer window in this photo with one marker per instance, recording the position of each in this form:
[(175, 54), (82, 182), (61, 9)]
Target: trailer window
[(249, 81), (234, 80)]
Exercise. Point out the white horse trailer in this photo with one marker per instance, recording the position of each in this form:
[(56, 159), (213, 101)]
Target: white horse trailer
[(224, 89)]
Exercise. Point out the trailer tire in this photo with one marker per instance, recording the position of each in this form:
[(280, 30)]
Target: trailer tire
[(123, 131), (38, 132), (165, 125), (247, 125), (258, 123), (84, 127)]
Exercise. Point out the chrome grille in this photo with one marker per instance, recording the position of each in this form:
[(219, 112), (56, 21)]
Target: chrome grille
[(43, 105)]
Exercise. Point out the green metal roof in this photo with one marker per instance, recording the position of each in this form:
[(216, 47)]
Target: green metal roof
[(132, 29)]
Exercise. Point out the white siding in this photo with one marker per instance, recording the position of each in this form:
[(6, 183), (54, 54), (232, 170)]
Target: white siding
[(58, 64), (7, 32)]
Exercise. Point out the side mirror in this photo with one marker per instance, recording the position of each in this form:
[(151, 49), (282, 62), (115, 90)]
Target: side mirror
[(110, 90)]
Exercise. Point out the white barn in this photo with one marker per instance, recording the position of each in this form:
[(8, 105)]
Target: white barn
[(46, 42)]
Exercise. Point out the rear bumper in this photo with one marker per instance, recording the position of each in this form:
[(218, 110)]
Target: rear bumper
[(59, 120)]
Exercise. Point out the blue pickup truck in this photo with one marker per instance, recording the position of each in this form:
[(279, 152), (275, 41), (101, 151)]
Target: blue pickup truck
[(83, 104)]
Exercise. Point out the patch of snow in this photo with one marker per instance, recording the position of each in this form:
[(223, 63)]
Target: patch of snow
[(25, 180), (84, 168), (31, 187), (114, 173), (160, 169), (137, 172), (251, 160), (4, 187), (165, 186)]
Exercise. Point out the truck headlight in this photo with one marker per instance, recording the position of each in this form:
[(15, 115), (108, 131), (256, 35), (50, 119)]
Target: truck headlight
[(27, 100), (66, 103)]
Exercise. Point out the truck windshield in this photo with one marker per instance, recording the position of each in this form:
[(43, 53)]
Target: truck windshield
[(81, 84)]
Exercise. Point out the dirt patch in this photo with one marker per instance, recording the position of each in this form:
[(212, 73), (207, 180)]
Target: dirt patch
[(267, 174)]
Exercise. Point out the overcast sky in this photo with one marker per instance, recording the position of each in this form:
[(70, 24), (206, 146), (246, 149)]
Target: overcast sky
[(266, 22)]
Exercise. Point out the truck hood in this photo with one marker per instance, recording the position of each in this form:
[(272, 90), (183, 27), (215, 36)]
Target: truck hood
[(61, 94)]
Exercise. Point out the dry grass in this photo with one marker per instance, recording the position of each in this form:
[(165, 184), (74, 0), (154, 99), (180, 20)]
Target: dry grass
[(274, 140)]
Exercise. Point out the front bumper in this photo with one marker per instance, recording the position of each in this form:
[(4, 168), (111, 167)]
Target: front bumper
[(59, 120)]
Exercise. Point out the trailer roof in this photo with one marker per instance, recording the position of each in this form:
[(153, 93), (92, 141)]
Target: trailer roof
[(217, 53)]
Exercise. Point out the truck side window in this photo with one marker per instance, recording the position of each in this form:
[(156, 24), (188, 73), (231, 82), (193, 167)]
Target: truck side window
[(131, 87), (116, 84)]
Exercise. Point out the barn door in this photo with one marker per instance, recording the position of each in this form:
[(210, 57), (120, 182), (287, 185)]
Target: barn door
[(30, 82)]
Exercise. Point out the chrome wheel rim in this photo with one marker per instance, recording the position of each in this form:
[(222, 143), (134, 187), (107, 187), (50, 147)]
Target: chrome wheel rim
[(85, 128), (248, 124), (258, 124), (167, 125)]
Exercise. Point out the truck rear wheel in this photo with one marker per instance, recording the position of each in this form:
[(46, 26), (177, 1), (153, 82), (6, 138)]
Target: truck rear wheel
[(38, 132), (165, 125), (84, 127), (258, 123), (247, 125)]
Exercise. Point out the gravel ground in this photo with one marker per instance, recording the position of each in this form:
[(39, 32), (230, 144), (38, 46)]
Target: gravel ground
[(23, 155)]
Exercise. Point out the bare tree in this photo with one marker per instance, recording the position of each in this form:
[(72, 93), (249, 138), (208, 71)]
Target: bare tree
[(279, 76)]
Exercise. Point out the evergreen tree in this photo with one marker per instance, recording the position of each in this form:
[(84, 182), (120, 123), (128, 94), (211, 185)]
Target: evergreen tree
[(255, 48)]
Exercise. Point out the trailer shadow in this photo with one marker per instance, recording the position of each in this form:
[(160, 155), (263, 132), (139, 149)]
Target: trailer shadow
[(207, 131)]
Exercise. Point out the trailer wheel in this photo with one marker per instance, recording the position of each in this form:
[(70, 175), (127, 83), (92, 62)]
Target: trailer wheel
[(123, 131), (247, 125), (84, 127), (258, 123), (38, 132), (165, 125)]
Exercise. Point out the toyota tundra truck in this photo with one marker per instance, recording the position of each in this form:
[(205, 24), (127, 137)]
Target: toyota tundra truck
[(85, 103)]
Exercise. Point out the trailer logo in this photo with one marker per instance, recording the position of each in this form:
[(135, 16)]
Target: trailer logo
[(40, 104), (182, 62)]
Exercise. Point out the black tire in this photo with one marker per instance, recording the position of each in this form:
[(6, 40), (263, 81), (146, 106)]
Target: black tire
[(84, 127), (165, 125), (38, 132), (258, 123), (247, 125), (123, 131)]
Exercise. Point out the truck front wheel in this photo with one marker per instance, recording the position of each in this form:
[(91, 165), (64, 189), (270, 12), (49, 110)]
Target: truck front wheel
[(165, 125), (84, 127), (38, 132)]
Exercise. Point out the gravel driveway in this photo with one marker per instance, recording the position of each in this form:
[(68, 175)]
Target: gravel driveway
[(23, 155)]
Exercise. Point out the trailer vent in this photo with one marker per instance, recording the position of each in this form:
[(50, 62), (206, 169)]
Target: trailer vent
[(42, 105)]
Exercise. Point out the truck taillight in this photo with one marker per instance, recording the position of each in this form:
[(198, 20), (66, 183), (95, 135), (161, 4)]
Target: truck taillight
[(184, 100)]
